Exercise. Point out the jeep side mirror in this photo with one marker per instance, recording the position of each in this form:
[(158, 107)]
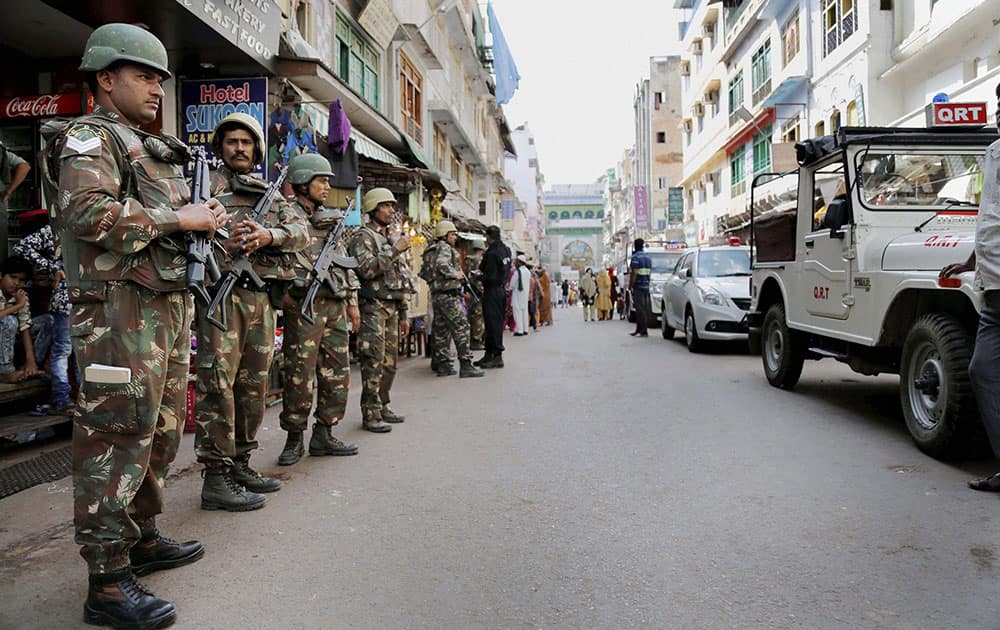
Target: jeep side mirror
[(837, 216), (688, 273)]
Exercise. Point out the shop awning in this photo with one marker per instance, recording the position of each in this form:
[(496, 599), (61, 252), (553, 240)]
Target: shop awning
[(373, 150), (471, 236), (417, 157)]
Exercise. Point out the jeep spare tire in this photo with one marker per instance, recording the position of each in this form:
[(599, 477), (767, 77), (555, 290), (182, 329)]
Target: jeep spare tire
[(934, 386)]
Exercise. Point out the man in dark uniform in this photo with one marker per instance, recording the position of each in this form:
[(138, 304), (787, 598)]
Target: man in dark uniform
[(120, 213), (495, 267)]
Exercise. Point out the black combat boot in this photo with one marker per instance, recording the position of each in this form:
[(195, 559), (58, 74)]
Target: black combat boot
[(156, 553), (221, 492), (388, 415), (119, 600), (470, 371), (448, 369), (486, 359), (495, 361), (294, 449), (322, 443), (250, 478)]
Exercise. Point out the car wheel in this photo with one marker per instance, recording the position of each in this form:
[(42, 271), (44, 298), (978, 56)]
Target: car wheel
[(694, 343), (935, 389), (665, 328), (781, 350)]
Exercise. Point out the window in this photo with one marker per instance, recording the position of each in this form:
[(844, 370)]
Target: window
[(482, 208), (456, 168), (564, 214), (762, 151), (661, 183), (440, 150), (531, 141), (661, 137), (735, 96), (790, 38), (357, 62), (532, 163), (820, 129), (839, 23), (470, 182), (852, 114), (790, 129), (410, 97), (760, 70), (737, 172)]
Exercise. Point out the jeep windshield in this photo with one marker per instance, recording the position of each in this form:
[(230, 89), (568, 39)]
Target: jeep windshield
[(918, 181)]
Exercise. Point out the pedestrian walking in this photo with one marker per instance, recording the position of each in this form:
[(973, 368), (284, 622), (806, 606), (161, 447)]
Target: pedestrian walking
[(535, 298), (603, 302), (233, 365), (316, 355), (494, 268), (444, 276), (565, 293), (984, 371), (520, 294), (123, 250), (382, 272), (588, 295), (545, 305), (641, 267)]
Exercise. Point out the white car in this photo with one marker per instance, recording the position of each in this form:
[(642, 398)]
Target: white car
[(708, 295)]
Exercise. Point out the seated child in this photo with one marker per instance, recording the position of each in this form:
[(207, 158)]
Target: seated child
[(15, 319)]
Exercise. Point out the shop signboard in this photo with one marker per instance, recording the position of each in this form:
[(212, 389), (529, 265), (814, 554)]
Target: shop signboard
[(205, 102), (507, 214), (675, 205), (253, 26), (379, 21), (641, 208), (41, 106)]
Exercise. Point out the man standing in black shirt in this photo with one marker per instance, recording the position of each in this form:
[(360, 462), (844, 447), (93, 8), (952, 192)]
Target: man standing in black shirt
[(495, 268)]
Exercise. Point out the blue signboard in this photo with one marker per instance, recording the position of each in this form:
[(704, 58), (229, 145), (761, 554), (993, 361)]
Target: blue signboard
[(507, 209), (204, 103)]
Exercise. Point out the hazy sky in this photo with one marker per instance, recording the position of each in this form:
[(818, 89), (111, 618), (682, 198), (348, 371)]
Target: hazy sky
[(580, 61)]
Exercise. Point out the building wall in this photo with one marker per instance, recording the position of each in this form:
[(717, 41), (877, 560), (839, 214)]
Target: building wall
[(667, 159)]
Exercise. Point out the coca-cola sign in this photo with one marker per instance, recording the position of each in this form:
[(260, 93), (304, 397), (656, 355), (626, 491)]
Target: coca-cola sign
[(41, 106)]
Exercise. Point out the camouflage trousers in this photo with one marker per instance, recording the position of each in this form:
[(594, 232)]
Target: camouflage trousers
[(232, 378), (477, 326), (449, 323), (316, 354), (378, 344), (125, 436)]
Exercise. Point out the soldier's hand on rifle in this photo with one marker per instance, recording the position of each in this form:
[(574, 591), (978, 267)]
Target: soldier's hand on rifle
[(404, 327), (252, 235), (402, 243), (203, 217), (354, 317)]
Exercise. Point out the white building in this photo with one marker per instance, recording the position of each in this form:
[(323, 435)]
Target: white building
[(525, 178)]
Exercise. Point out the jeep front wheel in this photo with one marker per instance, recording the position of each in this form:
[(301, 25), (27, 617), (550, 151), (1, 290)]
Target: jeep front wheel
[(781, 353), (934, 386)]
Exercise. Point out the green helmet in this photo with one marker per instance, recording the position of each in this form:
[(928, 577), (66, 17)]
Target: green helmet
[(124, 42), (304, 167), (248, 122), (443, 228), (376, 196)]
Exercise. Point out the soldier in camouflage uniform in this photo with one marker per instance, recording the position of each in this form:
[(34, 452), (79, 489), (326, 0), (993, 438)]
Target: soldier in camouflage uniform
[(317, 353), (477, 327), (445, 278), (384, 287), (121, 209), (233, 365)]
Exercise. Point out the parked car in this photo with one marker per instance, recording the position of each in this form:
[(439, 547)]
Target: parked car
[(708, 295)]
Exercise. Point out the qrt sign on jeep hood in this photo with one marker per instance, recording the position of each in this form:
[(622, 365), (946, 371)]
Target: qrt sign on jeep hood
[(923, 251)]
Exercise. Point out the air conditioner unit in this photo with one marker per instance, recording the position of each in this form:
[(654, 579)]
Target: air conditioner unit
[(687, 126), (711, 97), (698, 110), (696, 46), (685, 69)]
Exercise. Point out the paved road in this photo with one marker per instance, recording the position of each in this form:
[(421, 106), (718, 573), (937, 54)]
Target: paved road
[(598, 481)]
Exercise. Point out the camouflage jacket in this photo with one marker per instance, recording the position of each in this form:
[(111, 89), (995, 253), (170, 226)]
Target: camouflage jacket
[(446, 274), (383, 273), (473, 258), (286, 222), (115, 214), (305, 259)]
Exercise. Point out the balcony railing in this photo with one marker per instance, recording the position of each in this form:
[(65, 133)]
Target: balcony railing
[(413, 129), (761, 93), (738, 189)]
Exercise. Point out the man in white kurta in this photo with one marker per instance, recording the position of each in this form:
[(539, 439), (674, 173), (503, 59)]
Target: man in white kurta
[(520, 294)]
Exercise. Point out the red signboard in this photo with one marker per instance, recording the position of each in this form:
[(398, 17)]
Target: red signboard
[(41, 106), (945, 114)]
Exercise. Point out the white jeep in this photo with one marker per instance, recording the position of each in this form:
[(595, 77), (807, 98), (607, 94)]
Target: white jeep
[(852, 272)]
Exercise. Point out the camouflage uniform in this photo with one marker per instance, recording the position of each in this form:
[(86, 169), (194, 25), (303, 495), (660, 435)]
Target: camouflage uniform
[(233, 365), (126, 274), (318, 351), (449, 318), (385, 283), (477, 327)]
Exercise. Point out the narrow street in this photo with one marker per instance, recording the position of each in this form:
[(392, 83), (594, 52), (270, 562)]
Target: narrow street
[(598, 481)]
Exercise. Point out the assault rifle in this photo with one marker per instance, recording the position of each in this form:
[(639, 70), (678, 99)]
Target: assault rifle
[(320, 273), (467, 287), (199, 250), (240, 264)]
